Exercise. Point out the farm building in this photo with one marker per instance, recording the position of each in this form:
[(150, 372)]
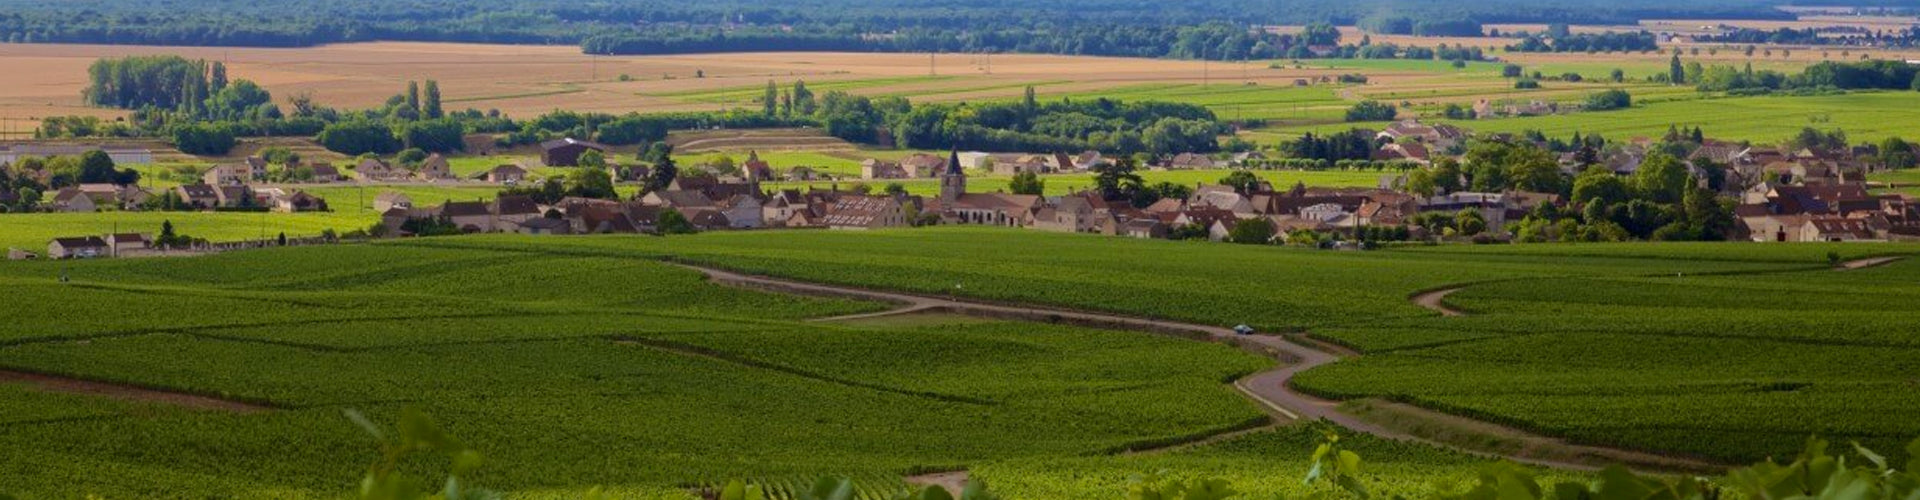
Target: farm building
[(566, 152), (866, 212), (504, 174), (77, 248), (435, 167)]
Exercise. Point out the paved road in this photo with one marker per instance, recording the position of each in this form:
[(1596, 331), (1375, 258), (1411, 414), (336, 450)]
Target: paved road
[(1269, 388)]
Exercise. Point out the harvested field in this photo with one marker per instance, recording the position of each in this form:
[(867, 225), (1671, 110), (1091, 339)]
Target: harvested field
[(757, 140)]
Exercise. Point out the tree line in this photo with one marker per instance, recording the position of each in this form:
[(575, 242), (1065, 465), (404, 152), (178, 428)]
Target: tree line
[(1105, 27)]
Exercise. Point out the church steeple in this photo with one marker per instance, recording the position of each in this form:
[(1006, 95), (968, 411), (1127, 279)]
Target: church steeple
[(953, 182)]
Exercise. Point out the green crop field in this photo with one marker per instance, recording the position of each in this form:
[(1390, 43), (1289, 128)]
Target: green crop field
[(568, 369), (1670, 347), (33, 231), (1865, 116)]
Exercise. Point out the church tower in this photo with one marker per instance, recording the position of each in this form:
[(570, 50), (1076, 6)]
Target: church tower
[(953, 182)]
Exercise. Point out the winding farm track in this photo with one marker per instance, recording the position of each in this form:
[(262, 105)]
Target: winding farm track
[(1271, 388)]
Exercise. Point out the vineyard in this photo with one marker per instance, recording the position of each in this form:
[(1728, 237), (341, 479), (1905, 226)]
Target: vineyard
[(587, 361), (1669, 347), (578, 370)]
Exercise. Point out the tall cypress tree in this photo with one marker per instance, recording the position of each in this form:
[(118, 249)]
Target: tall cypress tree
[(430, 104)]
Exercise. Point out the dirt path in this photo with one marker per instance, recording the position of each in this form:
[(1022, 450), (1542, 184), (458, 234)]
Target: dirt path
[(53, 383), (1436, 300), (1867, 262), (1270, 388), (954, 482)]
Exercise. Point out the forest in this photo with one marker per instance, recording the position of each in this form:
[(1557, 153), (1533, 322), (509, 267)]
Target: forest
[(1095, 27)]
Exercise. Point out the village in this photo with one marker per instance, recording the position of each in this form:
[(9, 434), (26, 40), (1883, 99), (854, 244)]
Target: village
[(1775, 196)]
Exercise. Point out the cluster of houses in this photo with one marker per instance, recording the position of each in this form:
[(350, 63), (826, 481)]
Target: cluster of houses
[(928, 166)]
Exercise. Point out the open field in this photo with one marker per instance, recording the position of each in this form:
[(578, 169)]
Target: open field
[(1865, 116), (524, 81), (637, 376), (1659, 324)]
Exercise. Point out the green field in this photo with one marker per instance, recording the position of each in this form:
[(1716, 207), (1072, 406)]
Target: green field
[(1626, 345), (578, 361), (570, 370), (1865, 116)]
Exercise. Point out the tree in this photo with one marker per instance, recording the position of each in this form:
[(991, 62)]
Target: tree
[(673, 222), (593, 160), (803, 102), (1470, 222), (1447, 175), (1618, 75), (591, 183), (357, 137), (1254, 231), (1370, 111), (1533, 169), (1660, 179), (1116, 179), (1032, 101), (203, 139), (1896, 153), (771, 99), (1609, 99), (1598, 186), (1511, 71), (662, 175), (1027, 183), (430, 104), (413, 96), (96, 167), (280, 155), (217, 78), (1677, 73), (1420, 182), (1242, 181)]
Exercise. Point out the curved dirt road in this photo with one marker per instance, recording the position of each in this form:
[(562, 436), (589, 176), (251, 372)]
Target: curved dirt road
[(1271, 388), (1436, 300)]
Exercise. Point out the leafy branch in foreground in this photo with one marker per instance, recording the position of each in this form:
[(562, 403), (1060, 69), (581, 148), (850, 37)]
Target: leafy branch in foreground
[(417, 434)]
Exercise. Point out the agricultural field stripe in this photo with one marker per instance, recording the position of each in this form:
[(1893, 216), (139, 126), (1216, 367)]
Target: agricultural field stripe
[(731, 358), (130, 391)]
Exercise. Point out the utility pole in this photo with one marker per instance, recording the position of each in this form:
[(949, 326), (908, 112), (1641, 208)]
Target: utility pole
[(931, 66)]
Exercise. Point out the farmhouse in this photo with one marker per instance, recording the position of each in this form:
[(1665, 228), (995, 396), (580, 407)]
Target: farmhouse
[(866, 212), (873, 168), (199, 196), (566, 152), (504, 174), (325, 173), (77, 248), (72, 199), (228, 175), (375, 170), (435, 168)]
